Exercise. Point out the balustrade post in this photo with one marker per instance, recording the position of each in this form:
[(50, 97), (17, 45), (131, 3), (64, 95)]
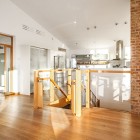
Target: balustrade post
[(78, 93), (73, 105), (35, 89), (40, 94), (51, 86)]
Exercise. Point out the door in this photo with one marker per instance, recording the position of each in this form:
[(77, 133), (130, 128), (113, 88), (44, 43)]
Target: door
[(6, 62), (38, 60)]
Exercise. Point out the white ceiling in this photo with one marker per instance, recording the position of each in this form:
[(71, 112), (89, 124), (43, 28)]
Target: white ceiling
[(58, 17)]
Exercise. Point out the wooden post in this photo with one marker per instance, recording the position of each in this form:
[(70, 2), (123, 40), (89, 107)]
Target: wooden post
[(40, 94), (51, 86), (87, 89), (11, 72), (69, 81), (35, 89), (78, 93), (73, 97)]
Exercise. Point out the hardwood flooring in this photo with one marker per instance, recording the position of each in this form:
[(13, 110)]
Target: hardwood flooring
[(19, 121)]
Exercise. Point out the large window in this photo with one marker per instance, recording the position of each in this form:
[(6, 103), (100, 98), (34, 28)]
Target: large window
[(127, 53), (99, 54)]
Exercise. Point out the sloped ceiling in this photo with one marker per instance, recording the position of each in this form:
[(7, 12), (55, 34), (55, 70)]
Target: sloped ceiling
[(82, 23)]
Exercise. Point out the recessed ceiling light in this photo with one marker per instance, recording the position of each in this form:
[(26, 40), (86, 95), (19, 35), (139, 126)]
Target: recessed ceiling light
[(88, 28), (116, 23), (95, 27), (76, 43), (125, 22), (74, 22)]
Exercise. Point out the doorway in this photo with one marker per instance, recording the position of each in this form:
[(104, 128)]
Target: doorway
[(38, 60), (6, 62)]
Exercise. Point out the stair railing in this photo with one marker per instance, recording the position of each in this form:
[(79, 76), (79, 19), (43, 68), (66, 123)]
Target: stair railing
[(93, 99)]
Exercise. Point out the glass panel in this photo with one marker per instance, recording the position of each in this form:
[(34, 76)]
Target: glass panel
[(5, 40), (62, 62), (34, 65), (38, 60), (1, 69), (7, 70), (43, 59)]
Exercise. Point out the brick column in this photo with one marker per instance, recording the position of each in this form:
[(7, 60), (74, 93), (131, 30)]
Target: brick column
[(135, 56)]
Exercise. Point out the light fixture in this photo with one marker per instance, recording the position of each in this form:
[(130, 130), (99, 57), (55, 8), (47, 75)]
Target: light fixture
[(95, 27), (75, 22), (125, 22), (76, 43), (88, 28), (116, 23)]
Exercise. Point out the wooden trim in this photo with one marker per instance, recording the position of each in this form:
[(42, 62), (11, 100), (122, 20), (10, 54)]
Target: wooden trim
[(44, 70), (84, 71), (11, 55), (43, 79), (60, 70), (6, 45), (2, 34), (5, 54), (5, 77)]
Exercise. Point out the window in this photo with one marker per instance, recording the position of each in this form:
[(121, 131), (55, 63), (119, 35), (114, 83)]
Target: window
[(99, 54)]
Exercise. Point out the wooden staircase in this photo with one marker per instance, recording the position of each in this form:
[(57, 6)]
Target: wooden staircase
[(63, 101)]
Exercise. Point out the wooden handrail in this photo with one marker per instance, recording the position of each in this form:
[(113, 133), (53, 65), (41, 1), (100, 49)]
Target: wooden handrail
[(44, 70), (68, 84), (55, 70), (110, 71), (43, 78), (84, 71), (55, 84), (96, 102)]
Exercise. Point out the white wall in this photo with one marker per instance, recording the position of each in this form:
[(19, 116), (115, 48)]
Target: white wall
[(11, 20)]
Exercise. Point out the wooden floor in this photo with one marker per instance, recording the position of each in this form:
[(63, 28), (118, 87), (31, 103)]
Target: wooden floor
[(19, 121)]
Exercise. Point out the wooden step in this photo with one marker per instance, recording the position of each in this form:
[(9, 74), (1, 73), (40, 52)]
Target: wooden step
[(61, 102)]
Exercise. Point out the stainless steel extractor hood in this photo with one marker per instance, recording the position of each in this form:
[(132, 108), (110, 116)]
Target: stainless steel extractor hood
[(119, 50)]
